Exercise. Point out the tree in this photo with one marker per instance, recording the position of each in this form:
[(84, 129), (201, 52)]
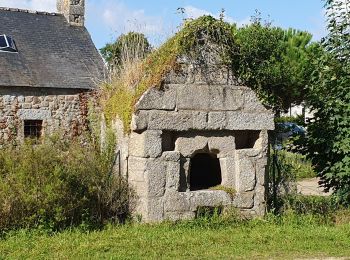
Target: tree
[(275, 62), (127, 48), (328, 139)]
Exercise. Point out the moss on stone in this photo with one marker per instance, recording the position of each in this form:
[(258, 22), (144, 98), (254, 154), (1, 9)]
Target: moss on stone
[(155, 67), (231, 191)]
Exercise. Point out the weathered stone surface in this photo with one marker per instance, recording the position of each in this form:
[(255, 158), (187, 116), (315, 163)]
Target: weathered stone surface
[(225, 98), (155, 210), (178, 76), (209, 98), (137, 168), (246, 173), (263, 142), (223, 146), (34, 114), (173, 170), (252, 103), (228, 172), (252, 153), (176, 202), (184, 174), (139, 121), (193, 97), (158, 99), (259, 200), (187, 146), (212, 73), (216, 120), (209, 198), (244, 200), (65, 112), (247, 121), (200, 120), (156, 173), (175, 121), (147, 176), (173, 176), (172, 156), (261, 169), (148, 144)]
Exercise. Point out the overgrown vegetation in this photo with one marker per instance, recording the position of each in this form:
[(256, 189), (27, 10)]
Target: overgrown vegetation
[(276, 63), (127, 47), (268, 59), (285, 169), (60, 183), (328, 138)]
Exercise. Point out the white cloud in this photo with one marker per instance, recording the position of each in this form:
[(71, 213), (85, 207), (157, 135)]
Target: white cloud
[(39, 5), (115, 18), (118, 17), (194, 12)]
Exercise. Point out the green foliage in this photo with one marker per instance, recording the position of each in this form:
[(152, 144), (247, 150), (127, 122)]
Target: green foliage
[(288, 236), (120, 103), (128, 46), (285, 169), (58, 184), (301, 167), (328, 139), (273, 62), (316, 205), (207, 32), (338, 18), (299, 120), (280, 180)]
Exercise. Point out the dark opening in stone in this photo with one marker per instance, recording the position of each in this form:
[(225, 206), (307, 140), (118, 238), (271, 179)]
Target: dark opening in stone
[(246, 139), (205, 172)]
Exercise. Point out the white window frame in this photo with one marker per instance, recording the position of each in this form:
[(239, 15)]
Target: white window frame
[(8, 45)]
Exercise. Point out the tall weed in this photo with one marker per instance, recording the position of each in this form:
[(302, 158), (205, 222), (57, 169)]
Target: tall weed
[(60, 183)]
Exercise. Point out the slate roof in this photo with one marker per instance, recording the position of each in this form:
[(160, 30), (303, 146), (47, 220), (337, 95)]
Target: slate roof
[(51, 53)]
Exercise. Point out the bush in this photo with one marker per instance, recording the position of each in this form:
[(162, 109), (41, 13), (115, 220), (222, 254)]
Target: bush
[(328, 138), (301, 167), (285, 170), (60, 183), (315, 205)]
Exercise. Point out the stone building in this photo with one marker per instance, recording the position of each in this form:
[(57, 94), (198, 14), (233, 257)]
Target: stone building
[(199, 141), (49, 68)]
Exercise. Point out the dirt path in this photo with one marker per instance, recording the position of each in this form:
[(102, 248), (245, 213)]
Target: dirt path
[(311, 187)]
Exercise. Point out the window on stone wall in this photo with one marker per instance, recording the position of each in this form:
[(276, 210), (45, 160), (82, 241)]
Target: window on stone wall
[(205, 171), (33, 128)]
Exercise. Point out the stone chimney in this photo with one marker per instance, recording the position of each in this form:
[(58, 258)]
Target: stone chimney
[(73, 10)]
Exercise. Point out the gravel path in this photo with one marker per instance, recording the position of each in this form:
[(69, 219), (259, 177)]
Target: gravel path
[(311, 187)]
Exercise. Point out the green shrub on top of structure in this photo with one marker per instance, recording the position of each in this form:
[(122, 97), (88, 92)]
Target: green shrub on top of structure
[(268, 59)]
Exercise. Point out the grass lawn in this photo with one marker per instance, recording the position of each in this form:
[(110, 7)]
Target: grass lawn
[(258, 239)]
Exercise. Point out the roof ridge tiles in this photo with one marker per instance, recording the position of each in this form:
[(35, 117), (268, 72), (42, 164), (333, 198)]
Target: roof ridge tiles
[(28, 11)]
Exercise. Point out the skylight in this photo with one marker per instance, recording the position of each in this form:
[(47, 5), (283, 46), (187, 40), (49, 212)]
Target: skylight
[(7, 44)]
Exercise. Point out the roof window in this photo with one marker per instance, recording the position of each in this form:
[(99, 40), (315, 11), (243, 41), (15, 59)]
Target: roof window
[(7, 44)]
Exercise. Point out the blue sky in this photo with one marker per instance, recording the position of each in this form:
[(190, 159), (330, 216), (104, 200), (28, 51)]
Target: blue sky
[(158, 19)]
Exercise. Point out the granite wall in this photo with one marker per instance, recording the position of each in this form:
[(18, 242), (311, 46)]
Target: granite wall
[(197, 112), (61, 111)]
